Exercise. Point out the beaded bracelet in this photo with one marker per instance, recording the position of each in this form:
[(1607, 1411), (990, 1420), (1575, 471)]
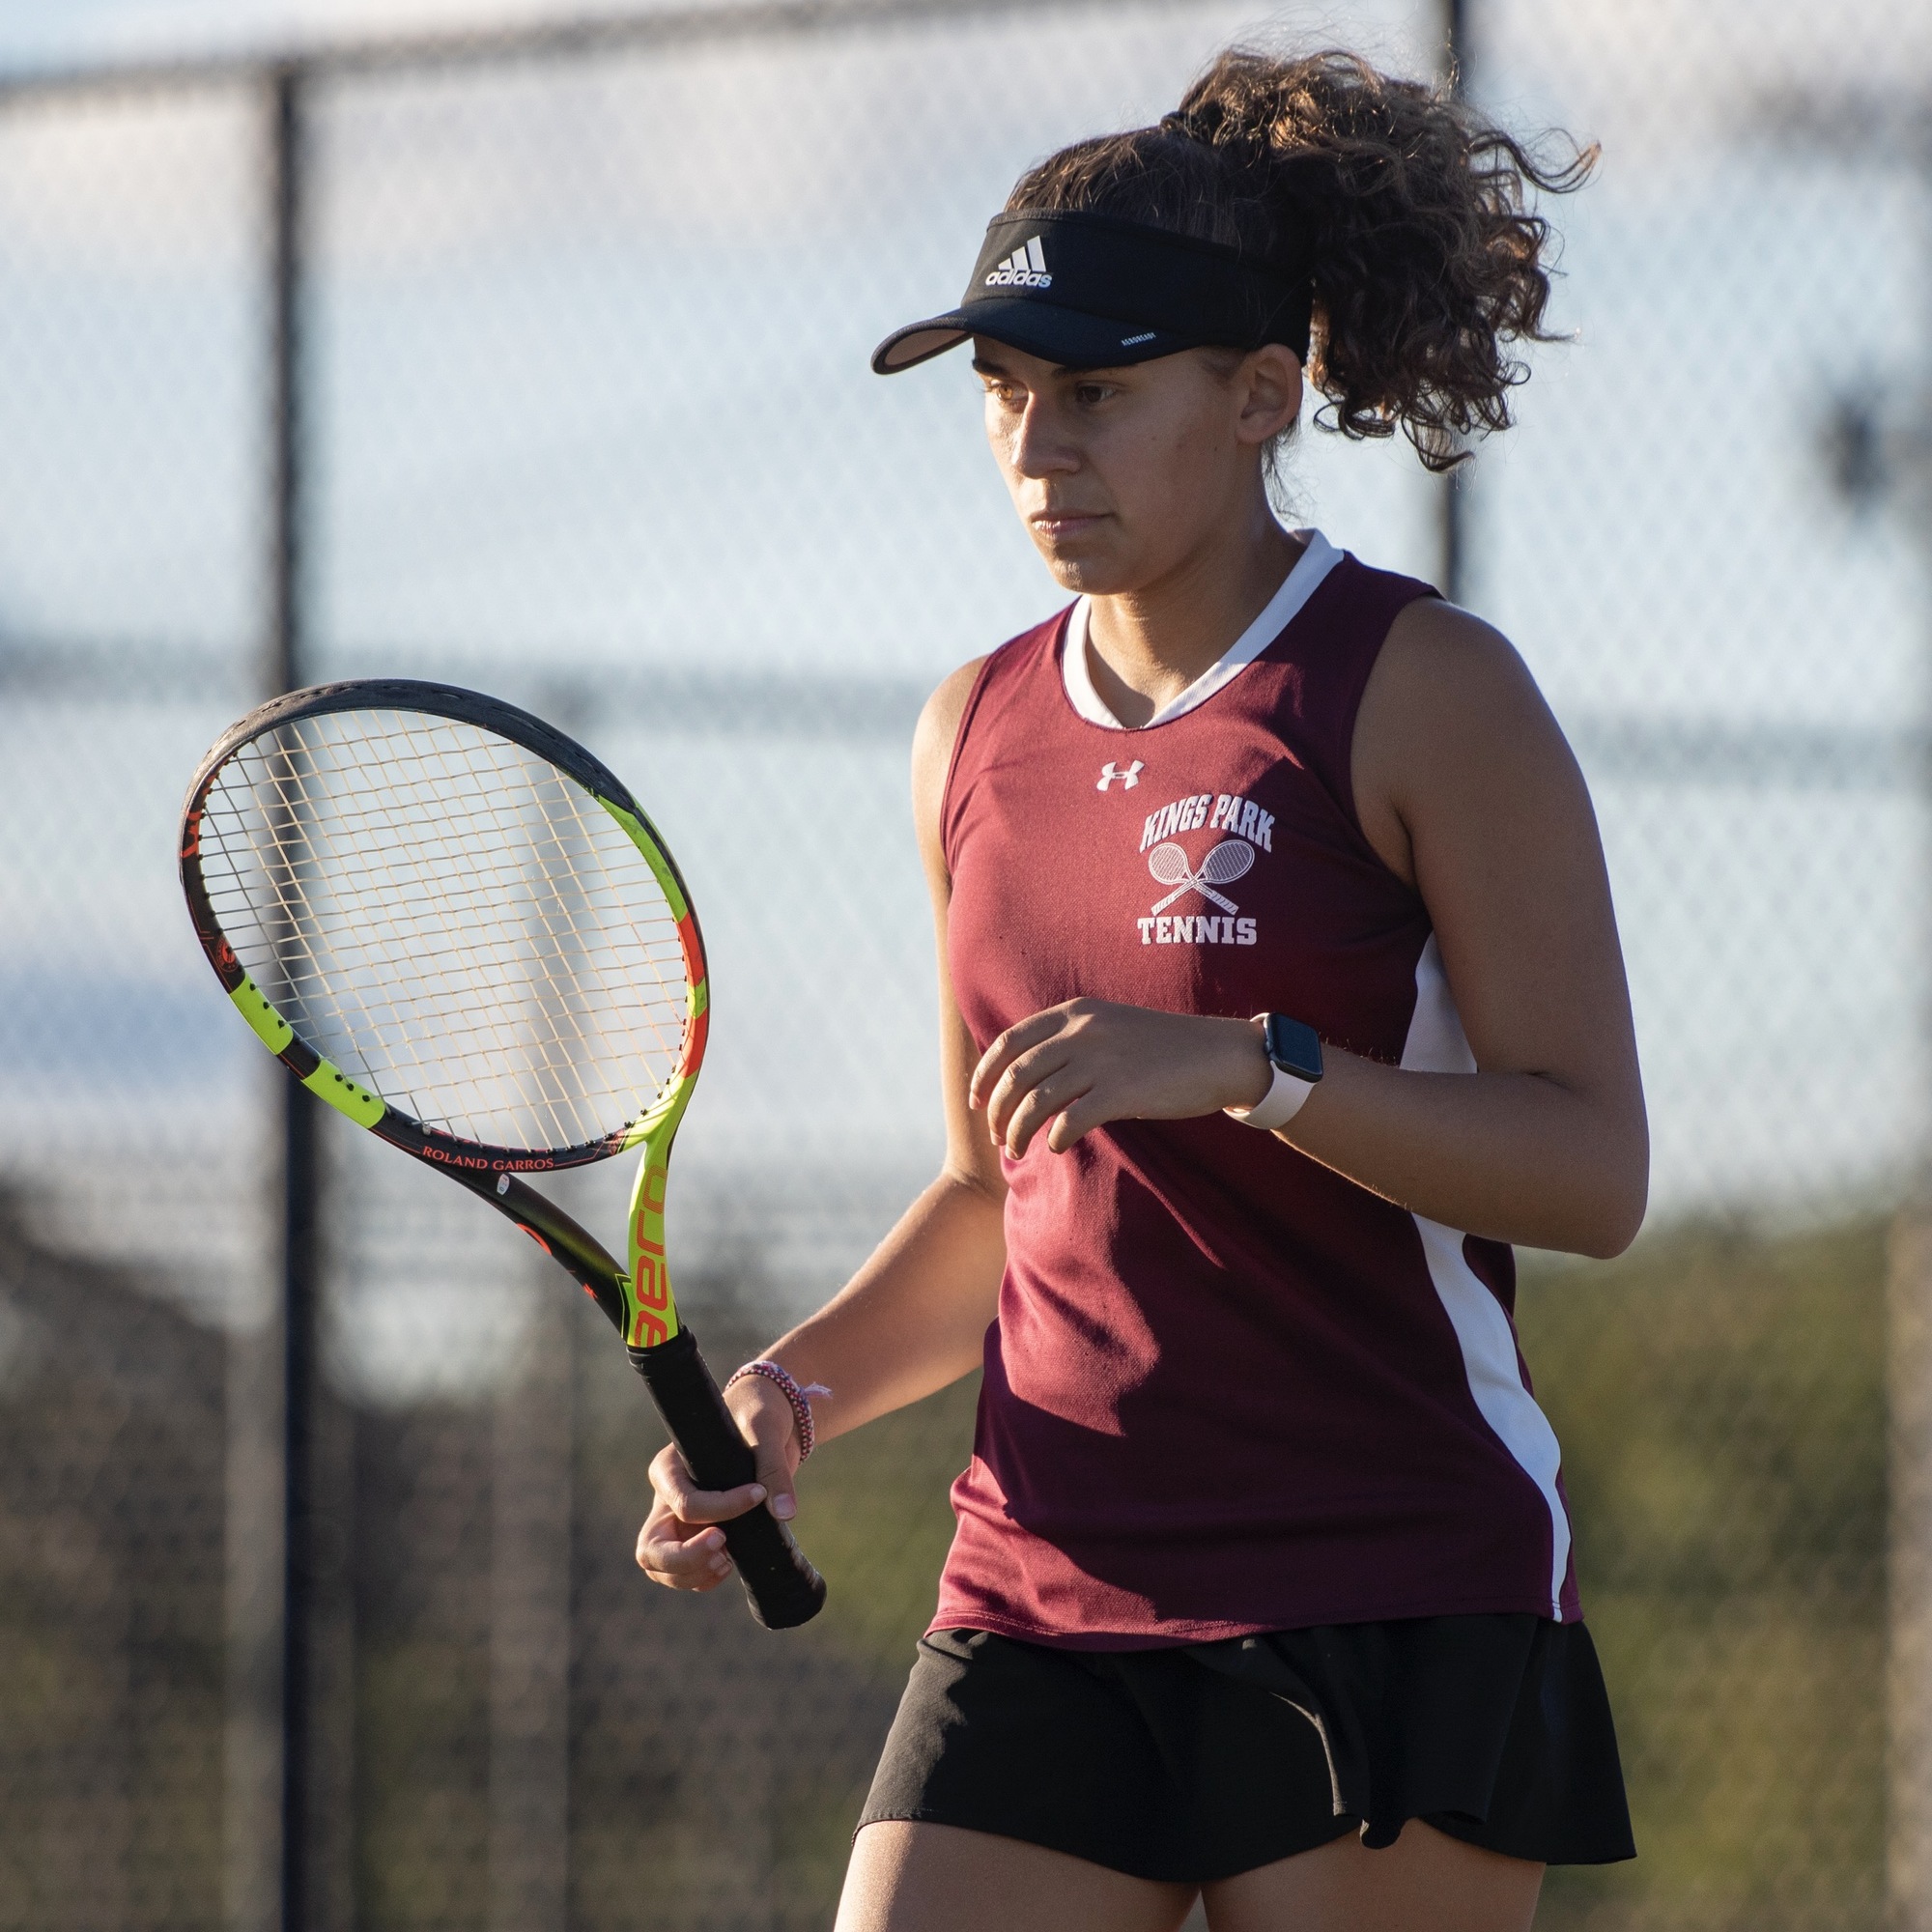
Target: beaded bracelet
[(799, 1398)]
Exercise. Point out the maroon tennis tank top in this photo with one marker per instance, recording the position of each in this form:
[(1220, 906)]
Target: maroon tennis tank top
[(1228, 1390)]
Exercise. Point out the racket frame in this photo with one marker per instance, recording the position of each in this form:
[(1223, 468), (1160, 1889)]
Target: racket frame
[(650, 1307), (782, 1586)]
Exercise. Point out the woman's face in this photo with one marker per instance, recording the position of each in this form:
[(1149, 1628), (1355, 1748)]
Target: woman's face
[(1121, 475)]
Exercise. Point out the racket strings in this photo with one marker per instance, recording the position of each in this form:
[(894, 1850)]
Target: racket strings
[(458, 924), (550, 1077)]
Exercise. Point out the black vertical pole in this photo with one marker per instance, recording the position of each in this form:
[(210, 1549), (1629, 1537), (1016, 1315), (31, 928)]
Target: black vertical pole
[(300, 1177), (1452, 499)]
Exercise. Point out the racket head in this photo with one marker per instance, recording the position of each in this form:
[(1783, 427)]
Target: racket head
[(450, 922)]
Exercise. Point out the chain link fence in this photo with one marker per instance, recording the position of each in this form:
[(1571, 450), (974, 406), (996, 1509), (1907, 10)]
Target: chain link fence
[(584, 418)]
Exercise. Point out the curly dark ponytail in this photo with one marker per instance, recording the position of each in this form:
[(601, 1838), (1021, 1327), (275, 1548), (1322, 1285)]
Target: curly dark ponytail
[(1410, 213)]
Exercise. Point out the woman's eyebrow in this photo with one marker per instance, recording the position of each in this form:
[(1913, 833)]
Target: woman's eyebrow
[(984, 366)]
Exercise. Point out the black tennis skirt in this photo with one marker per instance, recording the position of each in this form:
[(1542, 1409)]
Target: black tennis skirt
[(1192, 1764)]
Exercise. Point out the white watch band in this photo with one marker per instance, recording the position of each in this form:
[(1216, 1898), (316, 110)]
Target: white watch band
[(1278, 1106)]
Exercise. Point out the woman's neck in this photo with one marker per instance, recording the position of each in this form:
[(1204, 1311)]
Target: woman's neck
[(1146, 646)]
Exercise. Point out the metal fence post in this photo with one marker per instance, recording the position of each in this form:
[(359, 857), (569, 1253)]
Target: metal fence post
[(301, 1166), (1451, 503)]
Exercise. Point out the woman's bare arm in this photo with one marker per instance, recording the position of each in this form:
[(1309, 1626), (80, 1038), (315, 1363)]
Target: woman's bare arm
[(913, 1318), (1466, 789)]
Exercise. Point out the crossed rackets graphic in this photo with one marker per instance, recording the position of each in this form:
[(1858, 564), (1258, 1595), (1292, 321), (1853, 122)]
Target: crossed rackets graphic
[(1222, 867)]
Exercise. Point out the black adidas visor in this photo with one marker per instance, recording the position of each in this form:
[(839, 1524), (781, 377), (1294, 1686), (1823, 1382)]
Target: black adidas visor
[(1088, 291)]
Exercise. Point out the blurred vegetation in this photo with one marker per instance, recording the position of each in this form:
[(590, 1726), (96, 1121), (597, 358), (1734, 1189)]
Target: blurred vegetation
[(875, 1511), (111, 1666), (1720, 1401)]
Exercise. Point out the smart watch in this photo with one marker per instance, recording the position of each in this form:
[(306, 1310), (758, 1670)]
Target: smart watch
[(1293, 1048), (1295, 1052)]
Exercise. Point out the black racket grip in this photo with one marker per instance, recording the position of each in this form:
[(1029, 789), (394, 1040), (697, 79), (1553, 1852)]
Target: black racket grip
[(784, 1588)]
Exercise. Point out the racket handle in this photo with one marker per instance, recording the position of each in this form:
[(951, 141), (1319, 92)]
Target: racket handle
[(779, 1578)]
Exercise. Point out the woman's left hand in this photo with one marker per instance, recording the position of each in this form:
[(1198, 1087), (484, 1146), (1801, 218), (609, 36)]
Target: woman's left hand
[(1076, 1066)]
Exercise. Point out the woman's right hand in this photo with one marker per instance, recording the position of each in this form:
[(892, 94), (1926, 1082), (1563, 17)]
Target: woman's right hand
[(680, 1544)]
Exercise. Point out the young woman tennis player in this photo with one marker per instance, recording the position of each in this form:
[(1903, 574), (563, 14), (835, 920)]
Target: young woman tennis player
[(1282, 993)]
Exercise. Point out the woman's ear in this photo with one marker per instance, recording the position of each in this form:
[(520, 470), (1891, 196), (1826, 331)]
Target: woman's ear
[(1270, 387)]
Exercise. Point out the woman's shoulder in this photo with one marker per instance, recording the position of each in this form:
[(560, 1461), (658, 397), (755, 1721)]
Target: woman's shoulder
[(939, 724), (1445, 666), (1451, 711)]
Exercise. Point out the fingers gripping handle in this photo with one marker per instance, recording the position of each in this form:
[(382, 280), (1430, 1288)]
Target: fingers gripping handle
[(783, 1587)]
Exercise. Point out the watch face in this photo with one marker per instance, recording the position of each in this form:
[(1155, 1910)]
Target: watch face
[(1294, 1048)]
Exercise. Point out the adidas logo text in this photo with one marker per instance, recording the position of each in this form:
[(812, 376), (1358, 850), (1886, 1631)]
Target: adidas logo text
[(1024, 269)]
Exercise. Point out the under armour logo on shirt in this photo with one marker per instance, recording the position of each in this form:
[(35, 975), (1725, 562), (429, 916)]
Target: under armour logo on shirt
[(1128, 778)]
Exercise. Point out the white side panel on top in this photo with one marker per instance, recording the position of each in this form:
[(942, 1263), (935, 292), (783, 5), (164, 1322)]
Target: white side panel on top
[(1436, 1044)]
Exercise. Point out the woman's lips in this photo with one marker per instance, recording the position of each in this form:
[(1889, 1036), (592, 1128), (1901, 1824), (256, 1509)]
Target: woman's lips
[(1063, 523)]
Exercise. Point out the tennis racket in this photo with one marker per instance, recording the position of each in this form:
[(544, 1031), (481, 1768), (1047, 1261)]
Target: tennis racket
[(457, 927)]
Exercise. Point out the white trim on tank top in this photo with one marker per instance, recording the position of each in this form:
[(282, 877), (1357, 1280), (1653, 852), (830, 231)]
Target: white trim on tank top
[(1299, 585), (1491, 1365)]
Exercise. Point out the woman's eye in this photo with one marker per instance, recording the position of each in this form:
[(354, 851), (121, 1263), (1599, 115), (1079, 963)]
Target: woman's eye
[(1088, 394)]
